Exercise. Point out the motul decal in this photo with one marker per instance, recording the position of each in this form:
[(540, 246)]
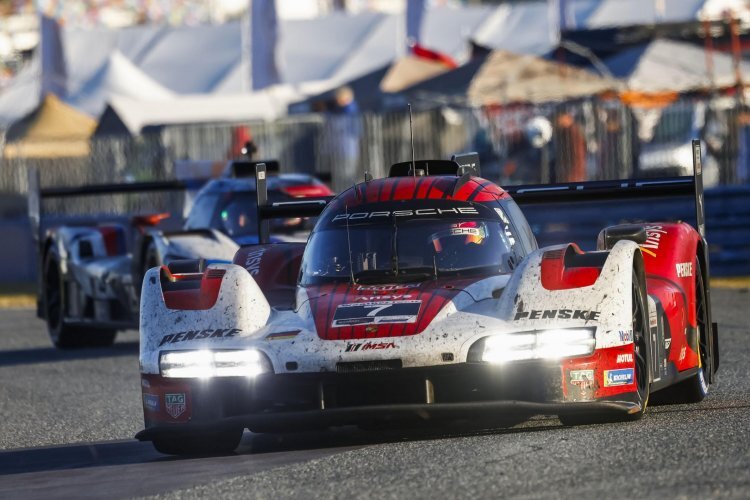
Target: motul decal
[(684, 269), (367, 346), (405, 311), (209, 333), (557, 314), (653, 239), (625, 358)]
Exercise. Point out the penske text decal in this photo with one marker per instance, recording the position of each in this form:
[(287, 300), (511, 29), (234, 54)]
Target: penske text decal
[(557, 314), (210, 333), (367, 313)]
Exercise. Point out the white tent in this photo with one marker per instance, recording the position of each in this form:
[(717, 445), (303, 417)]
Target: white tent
[(135, 115)]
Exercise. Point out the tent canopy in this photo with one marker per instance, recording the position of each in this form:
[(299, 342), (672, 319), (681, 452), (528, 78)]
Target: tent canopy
[(54, 129), (503, 77), (133, 116), (671, 66), (506, 77)]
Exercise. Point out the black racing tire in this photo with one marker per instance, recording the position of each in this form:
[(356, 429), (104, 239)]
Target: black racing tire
[(64, 336), (694, 389), (641, 356), (213, 443)]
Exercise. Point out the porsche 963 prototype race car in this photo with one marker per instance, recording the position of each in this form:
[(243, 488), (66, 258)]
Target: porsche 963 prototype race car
[(423, 295)]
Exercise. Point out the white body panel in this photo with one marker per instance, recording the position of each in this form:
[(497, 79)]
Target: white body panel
[(471, 315)]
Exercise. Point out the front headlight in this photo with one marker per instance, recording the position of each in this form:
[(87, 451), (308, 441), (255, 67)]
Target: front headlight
[(544, 344), (207, 364)]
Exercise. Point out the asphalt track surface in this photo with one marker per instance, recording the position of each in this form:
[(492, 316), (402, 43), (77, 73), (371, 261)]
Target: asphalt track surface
[(67, 421)]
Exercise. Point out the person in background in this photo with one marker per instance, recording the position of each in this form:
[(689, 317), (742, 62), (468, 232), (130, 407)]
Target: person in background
[(345, 129), (570, 149), (242, 146)]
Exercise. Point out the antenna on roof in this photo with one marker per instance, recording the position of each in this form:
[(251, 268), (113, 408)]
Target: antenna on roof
[(411, 133)]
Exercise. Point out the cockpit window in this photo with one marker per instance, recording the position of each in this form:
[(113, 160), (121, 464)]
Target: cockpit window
[(395, 250)]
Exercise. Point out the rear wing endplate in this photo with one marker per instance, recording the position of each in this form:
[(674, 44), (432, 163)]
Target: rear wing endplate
[(307, 207)]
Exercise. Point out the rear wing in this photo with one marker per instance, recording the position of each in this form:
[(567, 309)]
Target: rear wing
[(621, 190), (37, 195), (308, 207)]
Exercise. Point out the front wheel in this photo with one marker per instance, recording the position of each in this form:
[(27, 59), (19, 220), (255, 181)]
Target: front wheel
[(214, 443), (641, 357), (64, 336)]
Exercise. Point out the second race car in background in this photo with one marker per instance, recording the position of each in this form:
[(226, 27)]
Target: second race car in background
[(90, 275)]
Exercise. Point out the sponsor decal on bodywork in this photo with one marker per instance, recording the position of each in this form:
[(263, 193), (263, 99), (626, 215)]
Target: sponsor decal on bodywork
[(151, 402), (557, 314), (209, 333), (252, 260), (625, 358), (684, 269), (583, 379), (625, 335), (386, 288), (622, 376), (175, 404), (351, 314), (367, 346), (653, 239)]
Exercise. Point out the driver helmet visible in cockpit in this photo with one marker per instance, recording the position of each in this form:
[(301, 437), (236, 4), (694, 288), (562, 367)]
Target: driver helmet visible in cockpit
[(455, 245)]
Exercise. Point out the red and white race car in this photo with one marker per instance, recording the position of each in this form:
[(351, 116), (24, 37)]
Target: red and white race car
[(424, 296)]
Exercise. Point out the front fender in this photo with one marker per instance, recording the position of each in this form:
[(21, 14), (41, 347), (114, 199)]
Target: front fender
[(605, 304), (239, 311)]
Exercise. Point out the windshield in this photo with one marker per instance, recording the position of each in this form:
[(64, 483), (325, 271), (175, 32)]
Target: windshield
[(235, 213), (408, 250)]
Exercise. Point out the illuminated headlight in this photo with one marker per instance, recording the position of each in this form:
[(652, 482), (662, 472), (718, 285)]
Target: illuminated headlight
[(545, 344), (207, 364)]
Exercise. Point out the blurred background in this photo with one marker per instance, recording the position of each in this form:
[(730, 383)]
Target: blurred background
[(102, 91)]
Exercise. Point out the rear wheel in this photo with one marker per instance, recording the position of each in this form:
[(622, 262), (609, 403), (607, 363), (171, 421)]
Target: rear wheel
[(641, 357), (62, 335), (694, 389), (214, 443)]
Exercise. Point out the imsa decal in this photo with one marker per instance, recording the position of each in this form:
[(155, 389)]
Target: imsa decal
[(368, 313)]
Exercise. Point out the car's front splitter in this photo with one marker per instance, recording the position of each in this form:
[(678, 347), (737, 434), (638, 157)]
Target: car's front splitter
[(486, 410)]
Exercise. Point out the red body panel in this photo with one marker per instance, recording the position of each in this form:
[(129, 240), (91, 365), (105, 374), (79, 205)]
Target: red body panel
[(586, 388), (434, 295), (199, 297), (556, 276), (423, 188), (669, 257)]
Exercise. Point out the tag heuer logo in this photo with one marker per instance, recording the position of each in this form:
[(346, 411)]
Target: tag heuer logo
[(175, 404)]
